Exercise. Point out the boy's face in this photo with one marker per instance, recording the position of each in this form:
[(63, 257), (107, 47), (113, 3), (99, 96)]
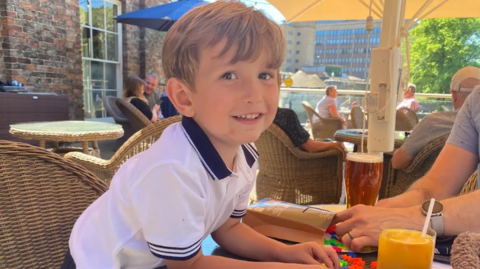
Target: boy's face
[(235, 103)]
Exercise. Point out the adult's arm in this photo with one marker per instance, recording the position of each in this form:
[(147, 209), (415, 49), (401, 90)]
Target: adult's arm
[(404, 156), (401, 159), (461, 214), (455, 164), (449, 173), (334, 112)]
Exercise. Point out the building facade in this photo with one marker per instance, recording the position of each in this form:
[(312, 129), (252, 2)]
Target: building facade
[(300, 39), (76, 48), (343, 44)]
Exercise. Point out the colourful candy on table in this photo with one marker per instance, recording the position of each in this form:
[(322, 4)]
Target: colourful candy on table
[(350, 261), (331, 239)]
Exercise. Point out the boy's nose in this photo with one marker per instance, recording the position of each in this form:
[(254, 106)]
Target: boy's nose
[(253, 93)]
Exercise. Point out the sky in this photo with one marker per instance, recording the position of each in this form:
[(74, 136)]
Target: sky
[(263, 5)]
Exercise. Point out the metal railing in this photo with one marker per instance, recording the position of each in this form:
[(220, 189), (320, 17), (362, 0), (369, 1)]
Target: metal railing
[(293, 97)]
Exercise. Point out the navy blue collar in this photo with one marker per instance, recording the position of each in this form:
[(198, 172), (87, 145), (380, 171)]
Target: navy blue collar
[(207, 153)]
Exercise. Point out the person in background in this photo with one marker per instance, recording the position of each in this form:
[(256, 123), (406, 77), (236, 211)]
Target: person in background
[(327, 107), (288, 121), (409, 100), (437, 124), (151, 92), (133, 92)]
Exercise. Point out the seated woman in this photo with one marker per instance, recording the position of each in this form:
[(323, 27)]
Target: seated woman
[(327, 107), (133, 93), (288, 121)]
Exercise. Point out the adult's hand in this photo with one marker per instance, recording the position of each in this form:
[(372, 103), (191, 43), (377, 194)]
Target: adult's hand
[(364, 223)]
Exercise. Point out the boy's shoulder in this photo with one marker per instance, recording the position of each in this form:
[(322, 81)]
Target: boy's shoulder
[(171, 151)]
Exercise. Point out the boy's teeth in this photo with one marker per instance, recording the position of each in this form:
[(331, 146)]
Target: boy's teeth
[(248, 116)]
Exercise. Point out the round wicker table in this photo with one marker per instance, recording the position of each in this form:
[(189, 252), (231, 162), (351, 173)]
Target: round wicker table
[(354, 136), (68, 131)]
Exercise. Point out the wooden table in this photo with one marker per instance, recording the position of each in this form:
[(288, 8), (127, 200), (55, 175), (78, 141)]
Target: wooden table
[(68, 131), (354, 136)]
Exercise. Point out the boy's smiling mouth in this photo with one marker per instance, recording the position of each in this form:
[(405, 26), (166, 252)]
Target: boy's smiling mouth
[(248, 118)]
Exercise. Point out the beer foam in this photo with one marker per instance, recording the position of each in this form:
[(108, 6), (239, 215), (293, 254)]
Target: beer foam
[(365, 158)]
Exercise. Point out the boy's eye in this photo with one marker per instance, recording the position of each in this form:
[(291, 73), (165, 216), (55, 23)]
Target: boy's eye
[(229, 76), (265, 76)]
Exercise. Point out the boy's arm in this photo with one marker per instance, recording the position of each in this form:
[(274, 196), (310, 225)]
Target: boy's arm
[(242, 240), (217, 262)]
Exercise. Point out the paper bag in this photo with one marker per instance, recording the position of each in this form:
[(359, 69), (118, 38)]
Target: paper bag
[(287, 221)]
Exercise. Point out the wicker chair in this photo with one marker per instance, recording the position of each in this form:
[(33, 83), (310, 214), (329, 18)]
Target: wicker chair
[(119, 117), (41, 197), (137, 120), (411, 115), (324, 128), (292, 175), (402, 122), (357, 116), (399, 180), (471, 185), (139, 142)]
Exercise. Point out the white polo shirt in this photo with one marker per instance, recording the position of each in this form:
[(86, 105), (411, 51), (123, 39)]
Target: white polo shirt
[(163, 202)]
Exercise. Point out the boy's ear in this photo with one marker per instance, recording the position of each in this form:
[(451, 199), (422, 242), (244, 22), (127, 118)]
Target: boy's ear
[(180, 96)]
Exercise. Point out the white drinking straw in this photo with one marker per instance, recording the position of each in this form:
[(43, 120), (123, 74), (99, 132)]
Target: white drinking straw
[(429, 215)]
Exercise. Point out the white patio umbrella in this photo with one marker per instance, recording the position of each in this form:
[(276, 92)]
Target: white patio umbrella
[(386, 65)]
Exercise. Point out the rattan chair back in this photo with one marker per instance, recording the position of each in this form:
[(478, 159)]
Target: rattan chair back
[(323, 128), (357, 116), (109, 102), (402, 122), (399, 180), (41, 197), (471, 185), (293, 175), (411, 115), (139, 142), (136, 118)]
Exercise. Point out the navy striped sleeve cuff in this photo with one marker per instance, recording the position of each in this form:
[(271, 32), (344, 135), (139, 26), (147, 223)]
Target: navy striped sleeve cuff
[(238, 213), (175, 253)]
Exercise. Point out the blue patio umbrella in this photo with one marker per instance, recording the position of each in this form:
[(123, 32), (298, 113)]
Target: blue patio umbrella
[(161, 17)]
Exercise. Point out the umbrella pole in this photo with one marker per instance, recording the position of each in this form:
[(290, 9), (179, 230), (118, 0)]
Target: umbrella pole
[(385, 68)]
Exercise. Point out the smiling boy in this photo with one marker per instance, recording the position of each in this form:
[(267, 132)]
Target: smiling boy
[(222, 63)]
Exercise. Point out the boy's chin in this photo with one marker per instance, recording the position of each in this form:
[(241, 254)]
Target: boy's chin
[(249, 138)]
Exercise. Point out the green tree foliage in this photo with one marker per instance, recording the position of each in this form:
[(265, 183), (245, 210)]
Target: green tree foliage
[(439, 48)]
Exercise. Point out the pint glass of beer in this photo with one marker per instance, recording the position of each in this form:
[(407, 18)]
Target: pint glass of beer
[(363, 178)]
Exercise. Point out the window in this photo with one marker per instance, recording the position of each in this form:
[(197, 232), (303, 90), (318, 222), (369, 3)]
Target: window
[(289, 61), (101, 47), (296, 61), (296, 70), (289, 51), (290, 32), (287, 69), (297, 52), (299, 34), (298, 42), (289, 42)]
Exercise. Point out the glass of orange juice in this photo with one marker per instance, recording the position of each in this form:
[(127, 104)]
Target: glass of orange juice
[(401, 246)]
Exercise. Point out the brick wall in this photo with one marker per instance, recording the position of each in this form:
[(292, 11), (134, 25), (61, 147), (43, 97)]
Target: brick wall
[(142, 48), (3, 11), (41, 47)]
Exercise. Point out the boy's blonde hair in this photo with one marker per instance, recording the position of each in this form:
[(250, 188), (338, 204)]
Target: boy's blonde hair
[(205, 26), (133, 88)]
